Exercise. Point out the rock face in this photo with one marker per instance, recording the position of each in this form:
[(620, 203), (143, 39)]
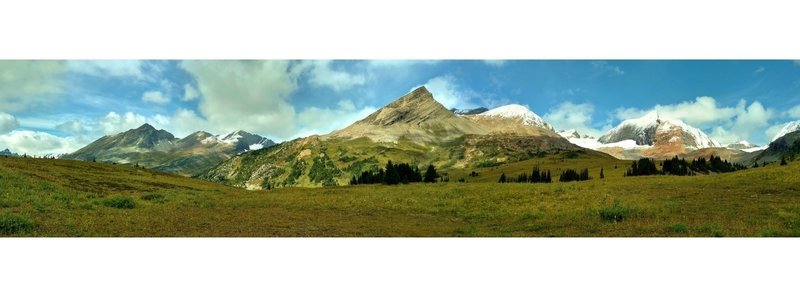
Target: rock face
[(466, 112), (160, 150)]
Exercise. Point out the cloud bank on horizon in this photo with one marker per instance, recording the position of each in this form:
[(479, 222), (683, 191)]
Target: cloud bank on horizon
[(60, 106)]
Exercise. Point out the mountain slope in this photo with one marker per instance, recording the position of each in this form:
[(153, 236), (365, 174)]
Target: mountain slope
[(415, 128), (789, 128), (159, 149), (666, 137), (786, 146)]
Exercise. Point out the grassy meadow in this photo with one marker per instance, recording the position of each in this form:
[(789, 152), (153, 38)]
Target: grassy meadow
[(44, 197)]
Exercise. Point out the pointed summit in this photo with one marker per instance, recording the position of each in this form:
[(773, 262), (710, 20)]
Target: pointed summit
[(416, 115), (413, 108), (146, 127)]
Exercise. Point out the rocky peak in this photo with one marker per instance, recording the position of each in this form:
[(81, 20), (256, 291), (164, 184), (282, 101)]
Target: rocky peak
[(413, 108)]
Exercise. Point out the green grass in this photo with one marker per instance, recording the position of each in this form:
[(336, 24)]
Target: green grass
[(67, 198), (122, 202), (13, 223)]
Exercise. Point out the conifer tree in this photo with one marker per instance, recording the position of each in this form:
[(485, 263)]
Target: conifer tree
[(502, 178), (430, 174), (601, 174)]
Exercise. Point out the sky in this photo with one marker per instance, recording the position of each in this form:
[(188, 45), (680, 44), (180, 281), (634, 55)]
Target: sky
[(60, 106)]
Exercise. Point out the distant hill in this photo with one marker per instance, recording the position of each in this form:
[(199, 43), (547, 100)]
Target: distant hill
[(159, 149)]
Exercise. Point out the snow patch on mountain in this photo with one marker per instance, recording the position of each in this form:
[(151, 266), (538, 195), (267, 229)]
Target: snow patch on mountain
[(789, 128), (513, 111), (568, 134), (594, 144), (644, 129)]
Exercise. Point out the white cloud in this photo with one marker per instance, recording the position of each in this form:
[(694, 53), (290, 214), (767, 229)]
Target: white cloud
[(73, 126), (114, 123), (247, 95), (604, 66), (28, 83), (573, 116), (321, 73), (7, 123), (156, 97), (316, 120), (700, 112), (751, 121), (108, 68), (794, 112), (759, 70), (728, 123), (495, 62), (39, 143), (182, 123), (189, 92), (447, 92)]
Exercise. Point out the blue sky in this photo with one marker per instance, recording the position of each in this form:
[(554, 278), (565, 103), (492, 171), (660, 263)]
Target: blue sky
[(59, 106)]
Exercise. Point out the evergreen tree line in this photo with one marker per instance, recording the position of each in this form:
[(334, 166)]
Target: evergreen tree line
[(572, 175), (536, 176), (681, 167), (395, 174)]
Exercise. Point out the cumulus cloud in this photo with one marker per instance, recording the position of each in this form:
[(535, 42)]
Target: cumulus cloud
[(7, 123), (108, 68), (794, 112), (39, 143), (114, 123), (604, 66), (247, 95), (449, 93), (190, 92), (182, 123), (73, 126), (316, 120), (156, 97), (750, 122), (321, 73), (702, 111), (29, 83), (728, 123), (569, 115)]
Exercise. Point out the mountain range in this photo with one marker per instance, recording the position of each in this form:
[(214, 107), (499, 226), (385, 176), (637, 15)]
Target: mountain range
[(158, 149), (414, 128)]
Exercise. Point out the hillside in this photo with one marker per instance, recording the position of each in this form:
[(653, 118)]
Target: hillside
[(50, 197), (158, 149), (415, 129)]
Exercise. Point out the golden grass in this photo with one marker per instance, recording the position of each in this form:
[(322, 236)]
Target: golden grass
[(66, 198)]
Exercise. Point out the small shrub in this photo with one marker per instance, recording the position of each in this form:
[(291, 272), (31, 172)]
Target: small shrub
[(155, 198), (614, 213), (14, 223), (120, 202), (678, 228)]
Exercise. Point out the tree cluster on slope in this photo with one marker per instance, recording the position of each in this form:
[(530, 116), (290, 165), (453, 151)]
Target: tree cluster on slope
[(395, 174), (536, 176), (682, 167)]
